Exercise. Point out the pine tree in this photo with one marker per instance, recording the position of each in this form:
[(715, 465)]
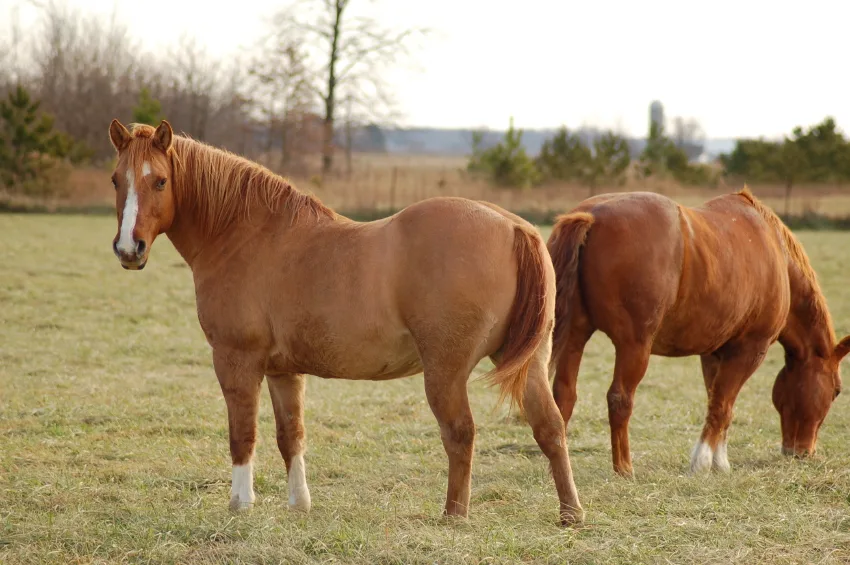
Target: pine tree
[(148, 110), (26, 135), (28, 144)]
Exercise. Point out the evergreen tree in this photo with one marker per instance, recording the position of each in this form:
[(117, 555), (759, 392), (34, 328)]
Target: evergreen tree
[(26, 137), (148, 110), (28, 145), (564, 157), (507, 163)]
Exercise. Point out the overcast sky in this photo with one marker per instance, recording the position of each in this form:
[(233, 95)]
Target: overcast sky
[(741, 67)]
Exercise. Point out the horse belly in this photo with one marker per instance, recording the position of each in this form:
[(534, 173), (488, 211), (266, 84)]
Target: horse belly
[(368, 354)]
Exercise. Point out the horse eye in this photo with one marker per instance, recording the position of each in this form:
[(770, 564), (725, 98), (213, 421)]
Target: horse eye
[(161, 184)]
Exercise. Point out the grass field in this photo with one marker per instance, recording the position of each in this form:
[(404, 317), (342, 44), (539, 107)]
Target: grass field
[(113, 443)]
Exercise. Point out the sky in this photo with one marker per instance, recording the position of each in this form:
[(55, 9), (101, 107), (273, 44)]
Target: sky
[(743, 68)]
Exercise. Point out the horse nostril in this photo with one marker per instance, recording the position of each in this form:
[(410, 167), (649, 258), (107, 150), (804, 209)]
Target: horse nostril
[(140, 246), (115, 247)]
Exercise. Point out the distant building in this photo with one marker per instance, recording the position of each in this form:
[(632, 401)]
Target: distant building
[(656, 113)]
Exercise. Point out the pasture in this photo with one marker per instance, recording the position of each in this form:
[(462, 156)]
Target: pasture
[(114, 445)]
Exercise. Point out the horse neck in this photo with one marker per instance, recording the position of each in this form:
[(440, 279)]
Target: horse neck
[(191, 232), (808, 330)]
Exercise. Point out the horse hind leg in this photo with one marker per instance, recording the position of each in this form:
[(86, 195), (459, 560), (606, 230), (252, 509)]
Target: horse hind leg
[(724, 374), (549, 431), (287, 393), (566, 364), (630, 364)]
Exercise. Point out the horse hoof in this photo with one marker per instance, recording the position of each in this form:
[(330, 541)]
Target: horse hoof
[(701, 458), (237, 505), (625, 473), (721, 466), (300, 501), (796, 453), (572, 517)]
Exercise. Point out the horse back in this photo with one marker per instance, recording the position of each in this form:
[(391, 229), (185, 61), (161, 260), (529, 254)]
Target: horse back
[(687, 279)]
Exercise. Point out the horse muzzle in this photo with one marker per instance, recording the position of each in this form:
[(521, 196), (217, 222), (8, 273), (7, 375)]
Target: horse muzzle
[(134, 260)]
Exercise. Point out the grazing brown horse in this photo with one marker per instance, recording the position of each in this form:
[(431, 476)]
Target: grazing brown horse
[(722, 281), (286, 287)]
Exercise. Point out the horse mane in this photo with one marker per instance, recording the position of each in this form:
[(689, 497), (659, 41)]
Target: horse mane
[(221, 187), (797, 255)]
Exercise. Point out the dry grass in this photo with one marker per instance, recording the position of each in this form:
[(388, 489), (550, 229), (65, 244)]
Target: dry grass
[(113, 443), (394, 181)]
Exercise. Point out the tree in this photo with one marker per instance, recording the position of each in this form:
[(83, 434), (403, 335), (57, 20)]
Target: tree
[(282, 87), (611, 159), (791, 166), (653, 158), (352, 55), (194, 77), (507, 163), (564, 157), (663, 156), (28, 142), (688, 136), (148, 110)]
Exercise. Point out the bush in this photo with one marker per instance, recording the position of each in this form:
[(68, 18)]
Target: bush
[(506, 164)]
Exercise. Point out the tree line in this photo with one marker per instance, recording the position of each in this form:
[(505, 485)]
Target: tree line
[(309, 84), (819, 154), (314, 83), (605, 160)]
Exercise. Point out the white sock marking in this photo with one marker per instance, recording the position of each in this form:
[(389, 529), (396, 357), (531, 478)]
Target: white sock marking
[(242, 487), (701, 457), (721, 461), (128, 220), (299, 494)]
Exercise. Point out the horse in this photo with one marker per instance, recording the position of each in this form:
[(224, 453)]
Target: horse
[(724, 281), (286, 287)]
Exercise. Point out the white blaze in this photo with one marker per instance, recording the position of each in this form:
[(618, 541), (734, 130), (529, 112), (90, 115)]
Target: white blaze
[(242, 487), (128, 220), (299, 494), (146, 169)]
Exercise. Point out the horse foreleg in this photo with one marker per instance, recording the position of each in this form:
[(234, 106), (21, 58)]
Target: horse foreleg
[(724, 374), (240, 376), (447, 396), (287, 392), (630, 366)]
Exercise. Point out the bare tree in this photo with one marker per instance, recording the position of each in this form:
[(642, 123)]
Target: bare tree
[(11, 66), (194, 81), (83, 68), (282, 87), (352, 54), (689, 136)]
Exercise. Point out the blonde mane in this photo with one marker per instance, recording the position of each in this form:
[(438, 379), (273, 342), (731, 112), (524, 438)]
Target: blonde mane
[(797, 255), (221, 187)]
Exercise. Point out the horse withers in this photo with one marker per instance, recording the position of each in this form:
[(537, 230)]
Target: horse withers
[(286, 287), (723, 281)]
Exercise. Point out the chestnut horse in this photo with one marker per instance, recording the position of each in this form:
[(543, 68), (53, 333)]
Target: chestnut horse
[(722, 281), (286, 287)]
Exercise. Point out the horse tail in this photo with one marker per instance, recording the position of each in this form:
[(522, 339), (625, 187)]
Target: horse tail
[(568, 236), (527, 323)]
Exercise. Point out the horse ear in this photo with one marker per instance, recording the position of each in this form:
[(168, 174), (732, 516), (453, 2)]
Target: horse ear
[(163, 135), (842, 349), (118, 135)]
